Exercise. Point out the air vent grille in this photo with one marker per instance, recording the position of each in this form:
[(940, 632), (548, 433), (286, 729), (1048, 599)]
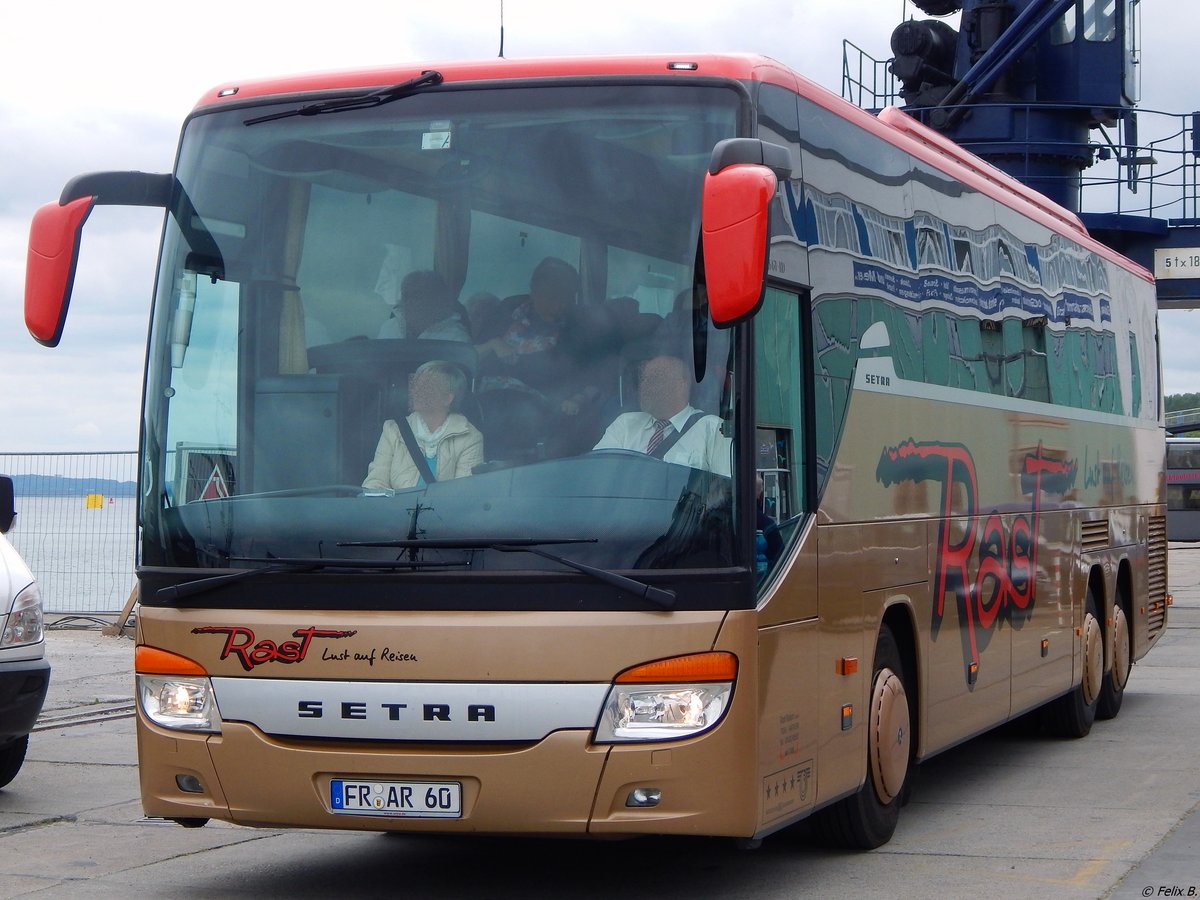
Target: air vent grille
[(1095, 535), (1156, 581)]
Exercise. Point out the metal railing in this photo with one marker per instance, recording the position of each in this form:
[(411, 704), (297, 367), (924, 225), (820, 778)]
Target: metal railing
[(1144, 165), (1150, 170), (867, 82), (75, 527), (1182, 420)]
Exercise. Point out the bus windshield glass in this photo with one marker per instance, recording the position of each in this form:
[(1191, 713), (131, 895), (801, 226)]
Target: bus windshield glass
[(467, 316)]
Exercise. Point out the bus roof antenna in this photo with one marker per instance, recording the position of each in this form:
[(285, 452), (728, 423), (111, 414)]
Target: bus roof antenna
[(502, 29)]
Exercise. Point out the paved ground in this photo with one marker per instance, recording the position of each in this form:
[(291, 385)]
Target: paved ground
[(1007, 815)]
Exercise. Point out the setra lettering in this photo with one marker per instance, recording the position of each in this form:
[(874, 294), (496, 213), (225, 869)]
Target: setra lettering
[(359, 710)]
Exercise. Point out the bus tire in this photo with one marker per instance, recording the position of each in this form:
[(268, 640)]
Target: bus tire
[(867, 819), (190, 821), (1072, 715), (1112, 691)]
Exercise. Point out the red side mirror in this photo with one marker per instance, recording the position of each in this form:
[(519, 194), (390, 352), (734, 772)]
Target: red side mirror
[(50, 266), (735, 229)]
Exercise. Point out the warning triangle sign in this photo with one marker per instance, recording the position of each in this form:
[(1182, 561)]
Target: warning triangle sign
[(215, 488)]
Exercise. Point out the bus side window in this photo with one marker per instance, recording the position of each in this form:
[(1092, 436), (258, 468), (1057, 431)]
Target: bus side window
[(778, 417)]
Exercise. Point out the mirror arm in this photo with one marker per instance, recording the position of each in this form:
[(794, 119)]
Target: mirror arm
[(751, 151), (120, 189)]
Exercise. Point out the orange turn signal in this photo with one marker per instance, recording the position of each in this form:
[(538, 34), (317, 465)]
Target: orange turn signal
[(153, 661), (716, 666)]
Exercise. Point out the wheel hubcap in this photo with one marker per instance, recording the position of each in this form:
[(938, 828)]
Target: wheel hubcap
[(890, 736), (1120, 670), (1093, 659)]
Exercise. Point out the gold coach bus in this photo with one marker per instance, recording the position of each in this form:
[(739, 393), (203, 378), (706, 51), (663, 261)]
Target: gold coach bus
[(615, 446)]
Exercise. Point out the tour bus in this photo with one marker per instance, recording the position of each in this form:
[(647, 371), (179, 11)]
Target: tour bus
[(1183, 489), (915, 485)]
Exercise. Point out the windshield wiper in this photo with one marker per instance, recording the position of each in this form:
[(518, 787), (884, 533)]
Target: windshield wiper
[(658, 596), (278, 565), (427, 78), (662, 597)]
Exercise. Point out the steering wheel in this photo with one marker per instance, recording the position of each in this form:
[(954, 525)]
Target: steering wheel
[(620, 451)]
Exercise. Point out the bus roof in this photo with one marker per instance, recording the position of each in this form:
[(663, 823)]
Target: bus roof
[(892, 125), (741, 67)]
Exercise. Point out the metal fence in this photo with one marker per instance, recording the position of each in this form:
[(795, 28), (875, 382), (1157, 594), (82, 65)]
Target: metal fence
[(76, 527)]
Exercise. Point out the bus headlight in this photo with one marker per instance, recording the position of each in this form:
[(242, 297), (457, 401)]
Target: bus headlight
[(179, 702), (688, 695), (24, 623), (174, 691), (661, 712)]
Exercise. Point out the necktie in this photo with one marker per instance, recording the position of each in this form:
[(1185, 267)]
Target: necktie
[(656, 439)]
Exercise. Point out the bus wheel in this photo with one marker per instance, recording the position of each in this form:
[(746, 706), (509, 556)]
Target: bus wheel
[(190, 822), (1072, 714), (1112, 692), (868, 818)]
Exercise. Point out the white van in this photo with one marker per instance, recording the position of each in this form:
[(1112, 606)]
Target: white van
[(24, 672)]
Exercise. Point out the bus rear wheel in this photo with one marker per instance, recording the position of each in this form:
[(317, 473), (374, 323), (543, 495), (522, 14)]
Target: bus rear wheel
[(1112, 692), (867, 819)]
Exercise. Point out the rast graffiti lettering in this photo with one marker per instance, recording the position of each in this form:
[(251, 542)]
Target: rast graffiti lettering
[(240, 642), (990, 570)]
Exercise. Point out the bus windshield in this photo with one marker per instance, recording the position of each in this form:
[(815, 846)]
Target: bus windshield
[(463, 318)]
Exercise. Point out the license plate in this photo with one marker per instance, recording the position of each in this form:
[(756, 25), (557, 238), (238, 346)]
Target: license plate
[(405, 799)]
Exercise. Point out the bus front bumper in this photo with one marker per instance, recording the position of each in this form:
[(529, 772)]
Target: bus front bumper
[(562, 784)]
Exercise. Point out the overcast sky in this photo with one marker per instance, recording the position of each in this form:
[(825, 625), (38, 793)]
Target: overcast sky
[(107, 85)]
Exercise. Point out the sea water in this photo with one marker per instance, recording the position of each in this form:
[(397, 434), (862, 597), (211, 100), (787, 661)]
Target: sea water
[(82, 553)]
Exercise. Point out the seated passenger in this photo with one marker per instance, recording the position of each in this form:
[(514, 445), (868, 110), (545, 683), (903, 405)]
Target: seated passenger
[(525, 355), (563, 352), (427, 311), (668, 426), (449, 445)]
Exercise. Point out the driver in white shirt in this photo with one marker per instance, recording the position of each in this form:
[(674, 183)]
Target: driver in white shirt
[(668, 426)]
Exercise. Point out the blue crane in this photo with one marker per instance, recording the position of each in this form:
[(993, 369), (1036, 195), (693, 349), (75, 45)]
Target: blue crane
[(1047, 90)]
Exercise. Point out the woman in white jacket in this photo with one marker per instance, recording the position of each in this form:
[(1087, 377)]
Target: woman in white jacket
[(451, 445)]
